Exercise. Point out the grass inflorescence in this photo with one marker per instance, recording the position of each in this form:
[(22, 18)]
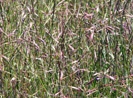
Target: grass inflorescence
[(66, 48)]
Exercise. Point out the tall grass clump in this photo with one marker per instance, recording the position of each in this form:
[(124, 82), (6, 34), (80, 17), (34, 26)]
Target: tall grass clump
[(66, 48)]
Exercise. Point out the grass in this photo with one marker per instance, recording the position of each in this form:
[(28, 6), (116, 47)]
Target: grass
[(66, 48)]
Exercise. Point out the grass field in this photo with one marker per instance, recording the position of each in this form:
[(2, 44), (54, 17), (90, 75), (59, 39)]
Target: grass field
[(66, 48)]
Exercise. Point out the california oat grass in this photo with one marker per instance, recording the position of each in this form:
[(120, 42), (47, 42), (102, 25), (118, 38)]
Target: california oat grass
[(66, 48)]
